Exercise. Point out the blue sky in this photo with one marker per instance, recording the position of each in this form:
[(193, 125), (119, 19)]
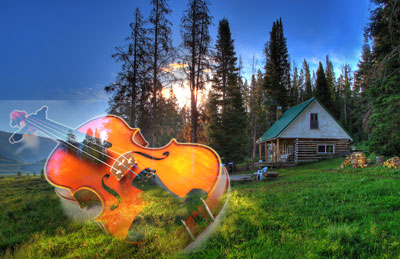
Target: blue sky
[(61, 50)]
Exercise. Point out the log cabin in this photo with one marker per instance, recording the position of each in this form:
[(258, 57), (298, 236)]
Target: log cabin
[(304, 133)]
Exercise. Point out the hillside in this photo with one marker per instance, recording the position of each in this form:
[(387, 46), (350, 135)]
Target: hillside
[(313, 211), (23, 157)]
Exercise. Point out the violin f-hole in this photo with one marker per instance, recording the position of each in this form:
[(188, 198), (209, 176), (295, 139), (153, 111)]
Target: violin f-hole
[(111, 191)]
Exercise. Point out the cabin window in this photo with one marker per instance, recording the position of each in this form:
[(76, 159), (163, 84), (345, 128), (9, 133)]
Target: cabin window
[(326, 149), (314, 121)]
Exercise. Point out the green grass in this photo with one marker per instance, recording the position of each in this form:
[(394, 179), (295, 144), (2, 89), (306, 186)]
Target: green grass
[(310, 211)]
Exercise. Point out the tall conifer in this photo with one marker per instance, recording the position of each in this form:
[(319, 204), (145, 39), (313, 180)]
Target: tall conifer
[(362, 80), (196, 45), (131, 87), (228, 127), (322, 91), (161, 55), (384, 91), (225, 61), (277, 68), (308, 92)]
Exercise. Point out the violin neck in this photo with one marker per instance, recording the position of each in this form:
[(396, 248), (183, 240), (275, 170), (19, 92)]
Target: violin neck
[(55, 131), (89, 146), (62, 133), (82, 145)]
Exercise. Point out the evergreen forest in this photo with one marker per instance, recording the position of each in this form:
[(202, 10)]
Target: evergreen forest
[(229, 112)]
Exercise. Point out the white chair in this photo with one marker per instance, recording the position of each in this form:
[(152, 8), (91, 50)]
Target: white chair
[(260, 175)]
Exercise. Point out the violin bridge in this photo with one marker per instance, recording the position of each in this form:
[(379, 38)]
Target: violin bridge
[(122, 165)]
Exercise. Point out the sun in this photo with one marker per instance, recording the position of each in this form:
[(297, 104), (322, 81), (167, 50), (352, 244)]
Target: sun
[(182, 91), (182, 94)]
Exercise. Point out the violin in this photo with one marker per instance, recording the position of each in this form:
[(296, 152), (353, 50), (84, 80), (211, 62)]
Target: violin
[(104, 160)]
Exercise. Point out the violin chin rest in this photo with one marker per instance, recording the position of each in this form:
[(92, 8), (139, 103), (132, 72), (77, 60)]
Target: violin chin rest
[(65, 195), (84, 198)]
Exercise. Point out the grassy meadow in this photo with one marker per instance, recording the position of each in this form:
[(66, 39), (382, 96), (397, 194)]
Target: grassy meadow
[(310, 211)]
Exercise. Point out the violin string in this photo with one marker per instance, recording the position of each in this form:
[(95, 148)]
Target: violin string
[(64, 130), (56, 126), (89, 146), (48, 132), (114, 146)]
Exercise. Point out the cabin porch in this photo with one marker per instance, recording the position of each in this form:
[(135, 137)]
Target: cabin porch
[(277, 152)]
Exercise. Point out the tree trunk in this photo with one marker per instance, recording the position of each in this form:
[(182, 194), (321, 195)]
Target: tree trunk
[(133, 102), (193, 112), (193, 108), (155, 81), (133, 87)]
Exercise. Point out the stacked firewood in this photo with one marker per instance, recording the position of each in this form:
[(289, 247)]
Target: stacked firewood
[(357, 159), (393, 162)]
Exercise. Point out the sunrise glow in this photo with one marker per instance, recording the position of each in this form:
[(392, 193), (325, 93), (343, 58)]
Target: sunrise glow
[(182, 94), (181, 89)]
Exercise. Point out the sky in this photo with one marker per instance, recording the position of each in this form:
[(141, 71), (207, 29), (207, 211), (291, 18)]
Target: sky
[(55, 51)]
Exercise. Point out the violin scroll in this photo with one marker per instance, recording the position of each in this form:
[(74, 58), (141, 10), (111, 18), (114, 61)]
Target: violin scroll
[(20, 120)]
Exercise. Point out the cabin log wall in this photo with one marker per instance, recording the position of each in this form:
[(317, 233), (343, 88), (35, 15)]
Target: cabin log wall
[(306, 149)]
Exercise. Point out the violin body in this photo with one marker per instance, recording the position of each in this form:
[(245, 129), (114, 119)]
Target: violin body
[(180, 167)]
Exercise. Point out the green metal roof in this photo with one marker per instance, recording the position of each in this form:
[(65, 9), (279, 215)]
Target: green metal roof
[(288, 116)]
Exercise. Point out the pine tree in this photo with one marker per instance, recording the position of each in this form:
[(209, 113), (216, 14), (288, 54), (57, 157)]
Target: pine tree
[(196, 43), (362, 79), (384, 90), (130, 89), (161, 55), (322, 91), (308, 93), (331, 80), (234, 141), (252, 116), (213, 125), (294, 89), (301, 86), (228, 123), (330, 76), (314, 83), (346, 81), (185, 134), (225, 67), (258, 111), (363, 76), (225, 61), (277, 67), (170, 124)]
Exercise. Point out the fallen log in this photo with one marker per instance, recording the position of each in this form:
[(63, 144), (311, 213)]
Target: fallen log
[(271, 174), (241, 177)]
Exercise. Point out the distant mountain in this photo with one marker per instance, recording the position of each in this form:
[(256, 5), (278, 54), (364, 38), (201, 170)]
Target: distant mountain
[(27, 156)]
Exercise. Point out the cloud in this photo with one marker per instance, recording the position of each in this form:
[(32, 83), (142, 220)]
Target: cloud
[(338, 60), (174, 67)]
